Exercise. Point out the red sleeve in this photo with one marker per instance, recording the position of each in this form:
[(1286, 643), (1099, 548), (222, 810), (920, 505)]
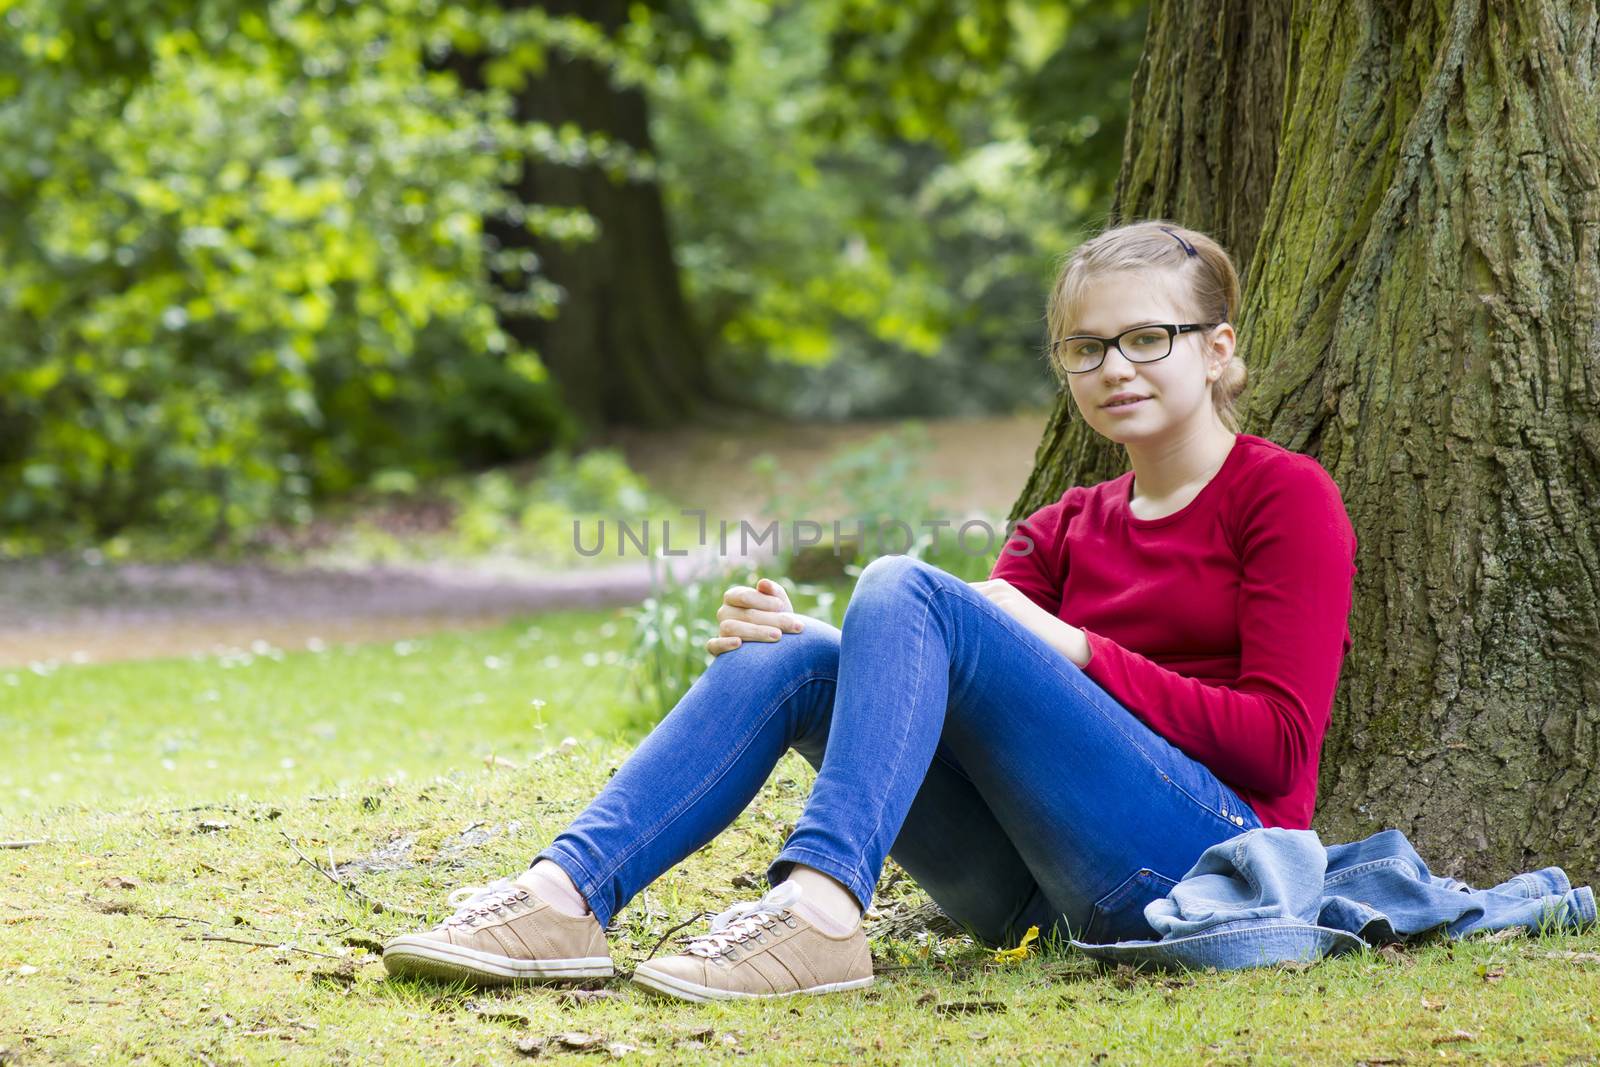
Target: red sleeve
[(1031, 557), (1297, 555)]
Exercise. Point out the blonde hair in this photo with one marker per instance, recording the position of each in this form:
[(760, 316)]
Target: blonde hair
[(1202, 266)]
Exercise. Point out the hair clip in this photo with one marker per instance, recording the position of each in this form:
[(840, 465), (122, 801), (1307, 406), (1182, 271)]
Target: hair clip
[(1187, 247)]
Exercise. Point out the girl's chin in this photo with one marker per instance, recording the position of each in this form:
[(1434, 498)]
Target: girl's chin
[(1124, 428)]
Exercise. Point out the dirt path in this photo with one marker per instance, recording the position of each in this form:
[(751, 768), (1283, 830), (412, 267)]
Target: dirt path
[(73, 612)]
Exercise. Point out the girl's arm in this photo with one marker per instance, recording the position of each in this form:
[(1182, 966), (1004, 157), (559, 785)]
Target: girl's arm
[(1265, 731)]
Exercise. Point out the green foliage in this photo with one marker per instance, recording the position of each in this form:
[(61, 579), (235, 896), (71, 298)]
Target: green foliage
[(536, 516), (523, 514), (257, 274), (246, 251), (869, 197)]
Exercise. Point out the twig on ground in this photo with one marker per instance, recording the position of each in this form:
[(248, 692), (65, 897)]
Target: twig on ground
[(693, 918), (371, 902), (209, 936), (23, 844)]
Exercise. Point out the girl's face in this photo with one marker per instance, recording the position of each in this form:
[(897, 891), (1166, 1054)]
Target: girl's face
[(1174, 393)]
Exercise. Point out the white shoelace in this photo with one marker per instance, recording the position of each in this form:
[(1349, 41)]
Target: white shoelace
[(473, 901), (744, 920)]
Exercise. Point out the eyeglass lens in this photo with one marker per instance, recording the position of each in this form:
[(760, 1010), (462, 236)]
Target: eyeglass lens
[(1142, 344)]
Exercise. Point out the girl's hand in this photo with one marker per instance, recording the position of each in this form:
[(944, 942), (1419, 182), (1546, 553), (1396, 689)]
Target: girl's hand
[(1008, 598), (1062, 636), (760, 614)]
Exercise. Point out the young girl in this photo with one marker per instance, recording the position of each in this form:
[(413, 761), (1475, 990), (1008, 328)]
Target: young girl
[(1148, 670)]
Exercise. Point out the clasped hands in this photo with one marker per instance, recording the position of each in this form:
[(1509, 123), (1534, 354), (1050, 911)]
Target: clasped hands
[(764, 613)]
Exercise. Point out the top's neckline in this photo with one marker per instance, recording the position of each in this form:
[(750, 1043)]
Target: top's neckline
[(1126, 496)]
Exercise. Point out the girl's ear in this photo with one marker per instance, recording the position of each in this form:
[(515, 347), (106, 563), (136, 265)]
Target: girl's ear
[(1221, 345)]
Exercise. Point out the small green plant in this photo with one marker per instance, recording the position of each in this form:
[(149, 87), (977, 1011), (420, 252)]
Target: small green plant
[(670, 629), (673, 624)]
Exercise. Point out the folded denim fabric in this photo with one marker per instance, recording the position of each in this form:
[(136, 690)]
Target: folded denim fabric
[(1276, 895)]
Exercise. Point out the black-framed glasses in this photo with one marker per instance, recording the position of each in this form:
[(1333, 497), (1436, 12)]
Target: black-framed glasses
[(1082, 353)]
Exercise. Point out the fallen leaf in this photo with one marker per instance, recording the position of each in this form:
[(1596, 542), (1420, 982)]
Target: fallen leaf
[(1490, 974), (1455, 1035), (1006, 955), (26, 969), (747, 880), (1576, 957), (492, 761), (121, 881), (699, 1034), (619, 1049), (584, 996), (531, 1046), (1504, 935), (1396, 954), (211, 826), (1433, 1005)]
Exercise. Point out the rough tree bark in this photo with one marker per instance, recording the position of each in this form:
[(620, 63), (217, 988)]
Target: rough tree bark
[(623, 347), (1422, 314)]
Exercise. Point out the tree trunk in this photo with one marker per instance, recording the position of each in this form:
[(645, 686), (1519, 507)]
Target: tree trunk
[(622, 347), (1201, 146), (1422, 314)]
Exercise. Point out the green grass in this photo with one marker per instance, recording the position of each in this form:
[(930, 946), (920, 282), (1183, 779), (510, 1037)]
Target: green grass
[(273, 725), (102, 957)]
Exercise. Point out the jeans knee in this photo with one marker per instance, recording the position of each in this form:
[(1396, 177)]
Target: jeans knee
[(814, 649), (890, 574)]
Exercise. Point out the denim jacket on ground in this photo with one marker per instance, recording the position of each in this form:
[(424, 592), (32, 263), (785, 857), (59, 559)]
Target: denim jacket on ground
[(1273, 895)]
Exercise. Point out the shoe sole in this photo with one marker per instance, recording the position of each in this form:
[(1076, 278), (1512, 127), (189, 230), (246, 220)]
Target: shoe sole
[(433, 959), (667, 985)]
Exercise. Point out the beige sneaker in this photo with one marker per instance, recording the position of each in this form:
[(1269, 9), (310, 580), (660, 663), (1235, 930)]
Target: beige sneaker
[(761, 949), (502, 933)]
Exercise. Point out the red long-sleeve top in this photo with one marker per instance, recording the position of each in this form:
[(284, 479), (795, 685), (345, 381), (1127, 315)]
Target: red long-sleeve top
[(1223, 625)]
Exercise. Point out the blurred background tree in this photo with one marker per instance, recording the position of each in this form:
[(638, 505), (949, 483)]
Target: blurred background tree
[(259, 253)]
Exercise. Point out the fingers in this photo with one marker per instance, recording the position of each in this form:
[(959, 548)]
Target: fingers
[(749, 631), (767, 585), (783, 621), (742, 596), (762, 613)]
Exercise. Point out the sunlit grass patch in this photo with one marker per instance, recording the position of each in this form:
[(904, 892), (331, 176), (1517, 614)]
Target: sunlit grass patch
[(269, 722), (177, 920)]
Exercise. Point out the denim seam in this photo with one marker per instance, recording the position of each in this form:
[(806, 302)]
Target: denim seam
[(1074, 681), (1344, 874), (730, 757), (1249, 933), (900, 747)]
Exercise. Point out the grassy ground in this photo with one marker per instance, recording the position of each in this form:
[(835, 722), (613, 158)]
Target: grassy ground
[(169, 918)]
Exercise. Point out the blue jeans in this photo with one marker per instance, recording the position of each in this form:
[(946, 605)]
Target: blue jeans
[(1013, 788)]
